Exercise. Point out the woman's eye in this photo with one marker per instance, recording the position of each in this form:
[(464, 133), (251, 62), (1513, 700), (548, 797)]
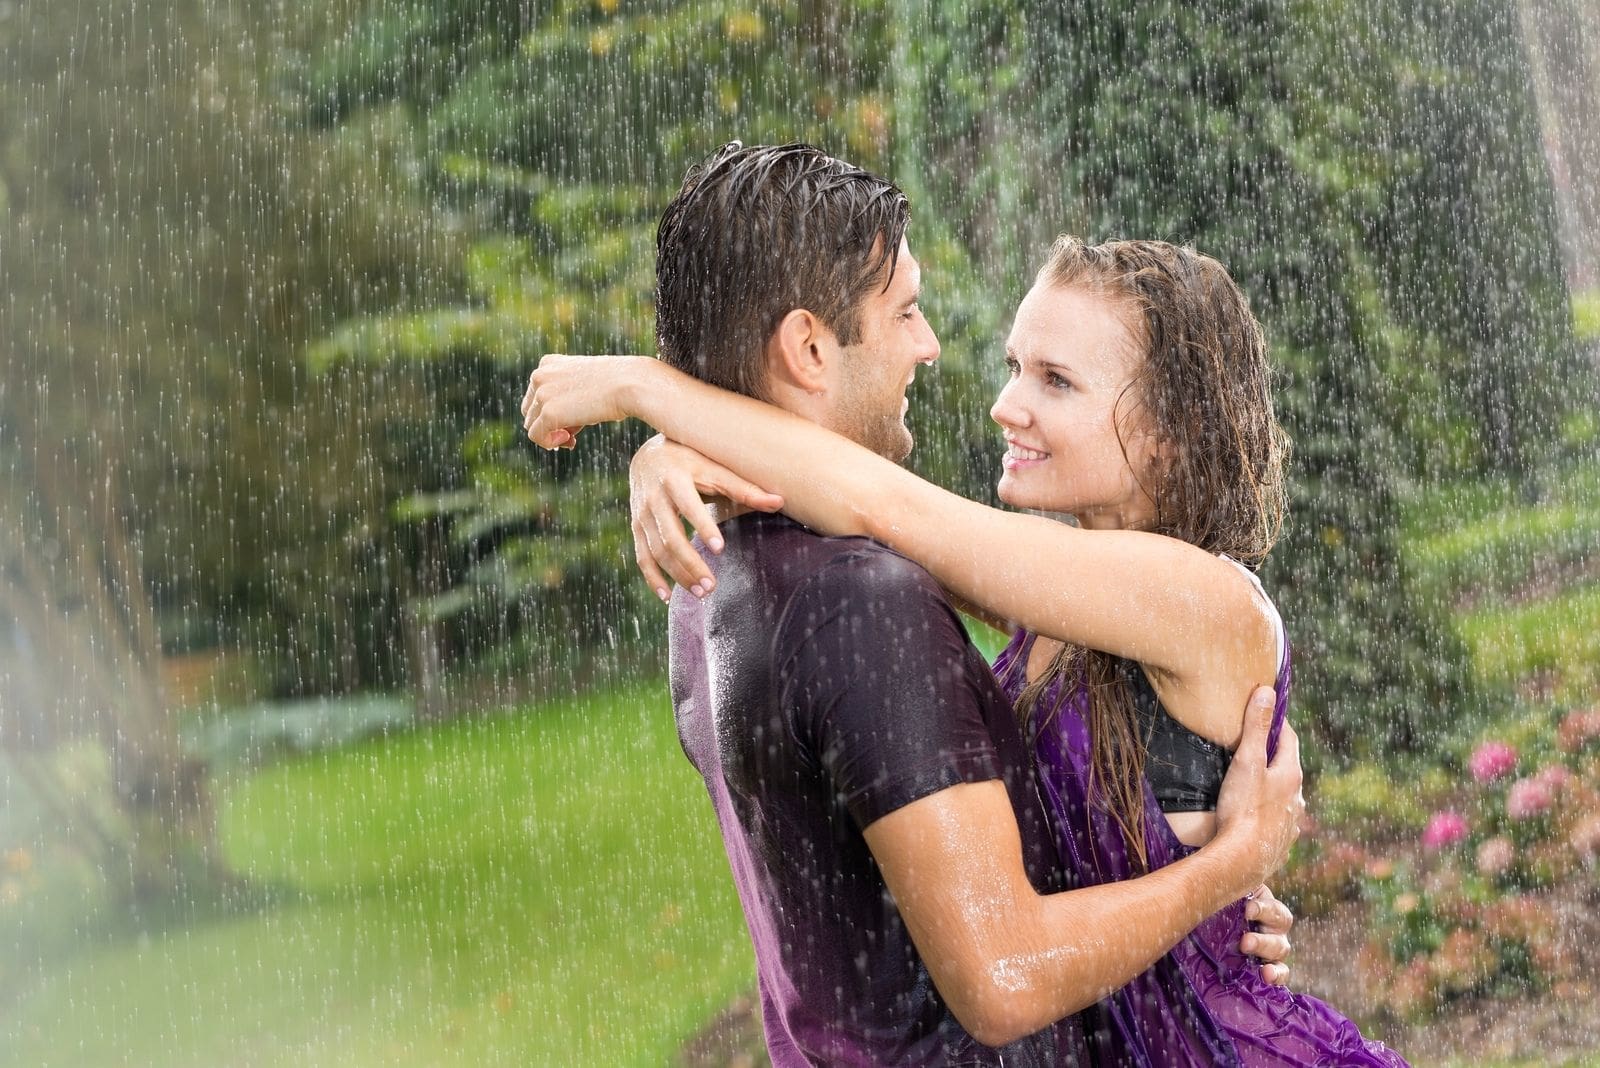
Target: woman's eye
[(1013, 366), (1055, 381)]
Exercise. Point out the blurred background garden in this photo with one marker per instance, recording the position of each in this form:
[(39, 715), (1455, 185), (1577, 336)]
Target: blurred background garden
[(333, 724)]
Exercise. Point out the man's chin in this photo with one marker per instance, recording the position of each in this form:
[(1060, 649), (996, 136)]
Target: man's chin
[(899, 446)]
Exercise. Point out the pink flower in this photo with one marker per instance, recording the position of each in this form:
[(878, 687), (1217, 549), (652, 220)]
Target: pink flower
[(1554, 776), (1528, 798), (1495, 855), (1445, 829), (1492, 761), (1586, 839), (1579, 729)]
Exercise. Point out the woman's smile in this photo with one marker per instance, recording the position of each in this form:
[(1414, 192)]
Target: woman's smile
[(1019, 456)]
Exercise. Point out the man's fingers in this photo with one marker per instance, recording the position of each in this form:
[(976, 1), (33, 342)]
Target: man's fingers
[(1288, 745), (1273, 915), (1269, 947), (1275, 974), (1257, 723)]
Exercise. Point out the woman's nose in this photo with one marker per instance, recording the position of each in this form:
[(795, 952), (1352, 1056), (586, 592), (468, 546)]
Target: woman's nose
[(1006, 411)]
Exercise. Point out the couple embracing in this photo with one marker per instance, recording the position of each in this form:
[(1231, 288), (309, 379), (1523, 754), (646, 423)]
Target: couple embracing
[(1056, 860)]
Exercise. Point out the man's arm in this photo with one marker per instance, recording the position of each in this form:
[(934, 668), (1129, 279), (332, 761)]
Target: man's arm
[(1009, 961)]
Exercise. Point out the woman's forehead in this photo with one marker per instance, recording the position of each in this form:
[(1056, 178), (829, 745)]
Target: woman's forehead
[(1056, 324)]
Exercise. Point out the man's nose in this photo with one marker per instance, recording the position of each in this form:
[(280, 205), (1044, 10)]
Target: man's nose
[(930, 348)]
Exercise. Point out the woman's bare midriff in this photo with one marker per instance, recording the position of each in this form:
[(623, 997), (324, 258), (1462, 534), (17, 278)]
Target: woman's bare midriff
[(1193, 828)]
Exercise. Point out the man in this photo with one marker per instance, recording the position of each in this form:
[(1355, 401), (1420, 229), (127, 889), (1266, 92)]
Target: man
[(874, 792)]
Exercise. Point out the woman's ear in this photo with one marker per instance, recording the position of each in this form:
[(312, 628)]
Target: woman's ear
[(799, 353)]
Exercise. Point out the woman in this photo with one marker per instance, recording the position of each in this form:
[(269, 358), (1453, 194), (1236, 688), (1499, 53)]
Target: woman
[(1139, 403)]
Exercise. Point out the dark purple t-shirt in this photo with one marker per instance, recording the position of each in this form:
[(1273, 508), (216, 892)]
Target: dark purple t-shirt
[(825, 684)]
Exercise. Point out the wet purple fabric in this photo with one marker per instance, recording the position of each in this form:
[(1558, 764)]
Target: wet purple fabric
[(1204, 1003)]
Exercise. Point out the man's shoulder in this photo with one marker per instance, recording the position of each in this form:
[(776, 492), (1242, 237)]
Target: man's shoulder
[(863, 565), (818, 562)]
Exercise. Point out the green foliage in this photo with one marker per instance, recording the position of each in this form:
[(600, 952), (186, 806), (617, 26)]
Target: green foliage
[(1370, 802), (548, 138), (1310, 147), (545, 887), (1586, 316)]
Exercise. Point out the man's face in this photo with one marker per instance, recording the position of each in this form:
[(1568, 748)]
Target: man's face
[(895, 338)]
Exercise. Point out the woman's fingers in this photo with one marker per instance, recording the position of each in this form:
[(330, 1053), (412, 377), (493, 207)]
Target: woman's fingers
[(685, 497), (1275, 974), (743, 491), (645, 558), (674, 552)]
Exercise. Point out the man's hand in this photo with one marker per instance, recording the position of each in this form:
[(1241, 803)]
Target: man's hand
[(1269, 941), (568, 393), (666, 482), (1260, 807)]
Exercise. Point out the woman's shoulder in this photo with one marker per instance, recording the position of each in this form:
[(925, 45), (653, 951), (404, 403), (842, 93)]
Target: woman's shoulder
[(1270, 608)]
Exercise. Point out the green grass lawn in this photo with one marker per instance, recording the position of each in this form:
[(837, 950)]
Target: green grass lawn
[(1527, 572), (545, 888), (1558, 634)]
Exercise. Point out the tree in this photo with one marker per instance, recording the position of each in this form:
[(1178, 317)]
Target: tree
[(169, 242), (1312, 147)]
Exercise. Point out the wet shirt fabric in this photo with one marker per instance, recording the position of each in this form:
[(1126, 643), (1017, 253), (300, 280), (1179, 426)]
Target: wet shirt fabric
[(825, 684)]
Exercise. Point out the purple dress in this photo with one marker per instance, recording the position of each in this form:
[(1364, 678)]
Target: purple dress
[(1204, 1003)]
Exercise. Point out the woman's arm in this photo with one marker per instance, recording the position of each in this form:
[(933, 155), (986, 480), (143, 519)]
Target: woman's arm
[(1173, 607), (668, 486)]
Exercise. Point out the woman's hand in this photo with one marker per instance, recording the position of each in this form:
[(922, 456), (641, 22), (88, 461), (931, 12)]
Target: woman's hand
[(666, 482), (568, 393)]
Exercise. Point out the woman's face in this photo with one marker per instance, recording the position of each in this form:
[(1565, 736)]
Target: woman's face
[(1072, 356)]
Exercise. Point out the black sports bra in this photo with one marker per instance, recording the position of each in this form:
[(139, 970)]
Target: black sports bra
[(1184, 770)]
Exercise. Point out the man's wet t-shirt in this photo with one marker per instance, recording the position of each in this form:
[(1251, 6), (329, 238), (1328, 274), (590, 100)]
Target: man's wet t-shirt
[(825, 684)]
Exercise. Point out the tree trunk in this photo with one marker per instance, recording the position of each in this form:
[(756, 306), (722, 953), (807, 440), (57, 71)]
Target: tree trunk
[(81, 658)]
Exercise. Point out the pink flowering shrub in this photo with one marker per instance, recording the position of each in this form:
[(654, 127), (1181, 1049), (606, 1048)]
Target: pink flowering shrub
[(1495, 856), (1322, 873), (1457, 894), (1491, 761), (1442, 937), (1579, 730), (1444, 829), (1528, 798)]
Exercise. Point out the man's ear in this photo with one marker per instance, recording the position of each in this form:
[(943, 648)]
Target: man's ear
[(799, 353)]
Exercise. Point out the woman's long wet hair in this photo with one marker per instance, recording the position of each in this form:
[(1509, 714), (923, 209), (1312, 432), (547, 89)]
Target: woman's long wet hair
[(1205, 391)]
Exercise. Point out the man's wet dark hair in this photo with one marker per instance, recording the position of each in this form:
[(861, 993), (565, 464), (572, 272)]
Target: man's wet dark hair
[(757, 232)]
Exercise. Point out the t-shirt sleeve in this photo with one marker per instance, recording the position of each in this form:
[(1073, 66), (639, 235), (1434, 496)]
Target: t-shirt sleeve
[(878, 676)]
